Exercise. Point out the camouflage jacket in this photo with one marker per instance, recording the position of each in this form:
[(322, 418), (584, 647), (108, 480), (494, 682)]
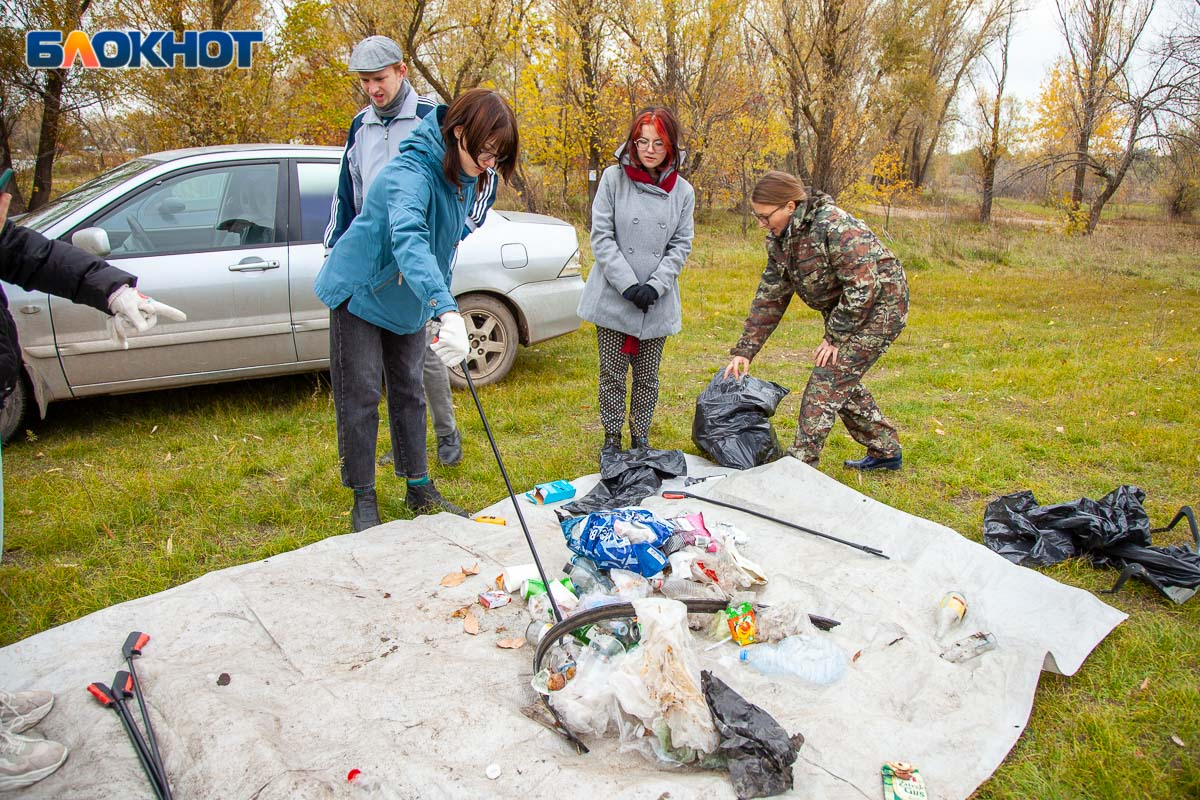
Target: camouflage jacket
[(837, 266)]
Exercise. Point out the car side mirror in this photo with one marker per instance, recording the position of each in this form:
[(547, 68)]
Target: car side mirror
[(94, 240)]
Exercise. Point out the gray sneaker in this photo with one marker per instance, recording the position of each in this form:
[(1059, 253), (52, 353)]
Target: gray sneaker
[(426, 499), (450, 452), (20, 711), (25, 761)]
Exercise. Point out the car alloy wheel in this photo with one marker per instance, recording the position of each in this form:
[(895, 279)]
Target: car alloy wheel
[(492, 340)]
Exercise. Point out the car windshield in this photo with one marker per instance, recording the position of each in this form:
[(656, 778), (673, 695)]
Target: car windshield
[(67, 202)]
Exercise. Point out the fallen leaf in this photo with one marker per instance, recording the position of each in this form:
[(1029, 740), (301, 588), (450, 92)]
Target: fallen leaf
[(253, 436), (153, 430), (223, 679), (470, 623), (170, 545), (167, 458), (856, 656), (1145, 683), (939, 431), (1175, 738), (54, 469), (215, 439), (471, 570), (459, 612), (453, 579), (1059, 429), (386, 595), (515, 643), (107, 531), (26, 512), (1133, 413)]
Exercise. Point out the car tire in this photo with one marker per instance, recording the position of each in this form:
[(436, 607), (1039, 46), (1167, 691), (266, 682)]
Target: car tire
[(16, 409), (492, 337)]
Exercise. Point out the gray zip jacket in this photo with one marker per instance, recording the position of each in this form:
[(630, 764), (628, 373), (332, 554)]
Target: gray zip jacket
[(640, 234)]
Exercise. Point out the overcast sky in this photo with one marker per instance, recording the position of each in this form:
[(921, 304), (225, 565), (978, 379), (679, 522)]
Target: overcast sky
[(1037, 42)]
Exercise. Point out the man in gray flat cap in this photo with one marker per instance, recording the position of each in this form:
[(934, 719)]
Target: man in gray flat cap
[(374, 139)]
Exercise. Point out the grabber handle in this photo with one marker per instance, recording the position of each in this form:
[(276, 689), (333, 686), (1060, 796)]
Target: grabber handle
[(134, 643), (123, 683), (101, 693)]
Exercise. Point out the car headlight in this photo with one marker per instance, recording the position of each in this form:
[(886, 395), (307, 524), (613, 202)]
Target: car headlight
[(573, 267)]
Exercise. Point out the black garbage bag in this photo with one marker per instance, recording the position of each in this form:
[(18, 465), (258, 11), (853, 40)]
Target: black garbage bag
[(1113, 532), (758, 750), (733, 421), (629, 477)]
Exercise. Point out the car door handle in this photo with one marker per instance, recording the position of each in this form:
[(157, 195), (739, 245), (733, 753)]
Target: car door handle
[(253, 264)]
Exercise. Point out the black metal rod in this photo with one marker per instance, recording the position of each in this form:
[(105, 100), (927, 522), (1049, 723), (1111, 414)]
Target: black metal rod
[(675, 495), (508, 484), (109, 698)]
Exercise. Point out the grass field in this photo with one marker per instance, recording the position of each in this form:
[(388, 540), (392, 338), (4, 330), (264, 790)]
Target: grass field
[(1031, 361)]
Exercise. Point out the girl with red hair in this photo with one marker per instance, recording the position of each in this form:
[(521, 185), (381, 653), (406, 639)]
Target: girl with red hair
[(641, 236)]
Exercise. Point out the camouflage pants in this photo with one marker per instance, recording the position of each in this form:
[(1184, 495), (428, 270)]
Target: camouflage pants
[(837, 391)]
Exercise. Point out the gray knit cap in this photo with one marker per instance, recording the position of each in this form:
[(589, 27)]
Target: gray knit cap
[(374, 53)]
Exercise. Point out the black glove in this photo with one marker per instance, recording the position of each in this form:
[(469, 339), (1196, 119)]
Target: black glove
[(643, 296)]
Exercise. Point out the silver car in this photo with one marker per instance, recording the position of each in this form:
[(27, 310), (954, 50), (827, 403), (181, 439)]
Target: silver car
[(232, 236)]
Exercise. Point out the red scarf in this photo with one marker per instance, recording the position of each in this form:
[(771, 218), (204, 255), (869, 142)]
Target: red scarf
[(642, 176)]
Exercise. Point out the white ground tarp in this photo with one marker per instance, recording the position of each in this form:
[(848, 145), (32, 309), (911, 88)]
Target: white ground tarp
[(344, 654)]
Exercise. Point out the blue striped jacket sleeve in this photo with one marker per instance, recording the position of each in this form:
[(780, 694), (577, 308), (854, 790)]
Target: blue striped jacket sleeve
[(342, 211)]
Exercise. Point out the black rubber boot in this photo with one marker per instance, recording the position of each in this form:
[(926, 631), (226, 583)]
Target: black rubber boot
[(426, 499), (365, 513), (639, 441)]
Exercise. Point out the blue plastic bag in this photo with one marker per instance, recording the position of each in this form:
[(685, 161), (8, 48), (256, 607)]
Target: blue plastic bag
[(596, 537)]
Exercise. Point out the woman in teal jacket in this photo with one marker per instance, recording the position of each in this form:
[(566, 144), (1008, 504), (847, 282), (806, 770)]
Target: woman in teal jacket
[(389, 274)]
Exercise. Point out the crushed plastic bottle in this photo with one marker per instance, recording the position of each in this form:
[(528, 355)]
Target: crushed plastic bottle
[(950, 612), (586, 576), (809, 657), (364, 785)]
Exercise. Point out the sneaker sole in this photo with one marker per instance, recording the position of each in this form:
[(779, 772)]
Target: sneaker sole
[(29, 778)]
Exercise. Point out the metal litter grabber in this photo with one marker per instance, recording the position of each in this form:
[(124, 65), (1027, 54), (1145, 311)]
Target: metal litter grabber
[(122, 689), (134, 643), (511, 494), (679, 495), (107, 698)]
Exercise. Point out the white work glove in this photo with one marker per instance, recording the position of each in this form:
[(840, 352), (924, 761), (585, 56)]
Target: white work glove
[(135, 313), (450, 344)]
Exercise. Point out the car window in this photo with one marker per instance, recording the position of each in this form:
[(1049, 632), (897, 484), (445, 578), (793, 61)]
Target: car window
[(318, 182), (220, 208), (69, 201)]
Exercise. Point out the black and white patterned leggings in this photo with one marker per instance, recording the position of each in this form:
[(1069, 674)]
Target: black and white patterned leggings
[(613, 367)]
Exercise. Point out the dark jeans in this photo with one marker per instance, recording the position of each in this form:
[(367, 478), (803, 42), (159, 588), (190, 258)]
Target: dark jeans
[(359, 354)]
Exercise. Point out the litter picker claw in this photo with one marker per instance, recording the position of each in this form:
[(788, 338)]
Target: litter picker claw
[(678, 495)]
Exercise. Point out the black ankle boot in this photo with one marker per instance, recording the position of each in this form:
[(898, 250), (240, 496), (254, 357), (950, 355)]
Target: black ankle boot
[(424, 498), (365, 513), (638, 441), (612, 446)]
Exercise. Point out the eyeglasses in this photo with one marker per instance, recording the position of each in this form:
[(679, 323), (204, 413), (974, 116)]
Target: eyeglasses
[(765, 219), (484, 155), (657, 145)]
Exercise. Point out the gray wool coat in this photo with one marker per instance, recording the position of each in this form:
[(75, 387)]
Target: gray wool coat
[(640, 234)]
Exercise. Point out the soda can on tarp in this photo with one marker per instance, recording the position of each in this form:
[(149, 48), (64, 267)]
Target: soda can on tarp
[(902, 781)]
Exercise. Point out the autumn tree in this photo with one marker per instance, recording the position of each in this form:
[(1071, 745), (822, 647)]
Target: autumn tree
[(995, 116), (56, 93), (685, 54), (822, 60), (1101, 38), (927, 48)]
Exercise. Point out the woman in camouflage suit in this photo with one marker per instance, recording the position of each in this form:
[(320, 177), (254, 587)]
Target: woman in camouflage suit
[(836, 265)]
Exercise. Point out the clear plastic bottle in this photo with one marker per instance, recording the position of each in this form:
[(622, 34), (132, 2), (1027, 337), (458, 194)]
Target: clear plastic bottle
[(586, 575), (950, 612), (369, 785), (810, 657)]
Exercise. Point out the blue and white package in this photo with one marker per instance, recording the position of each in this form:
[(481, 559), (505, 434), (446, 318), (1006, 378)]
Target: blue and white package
[(596, 536)]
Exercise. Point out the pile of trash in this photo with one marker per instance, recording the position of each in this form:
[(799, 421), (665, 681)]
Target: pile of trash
[(635, 673)]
